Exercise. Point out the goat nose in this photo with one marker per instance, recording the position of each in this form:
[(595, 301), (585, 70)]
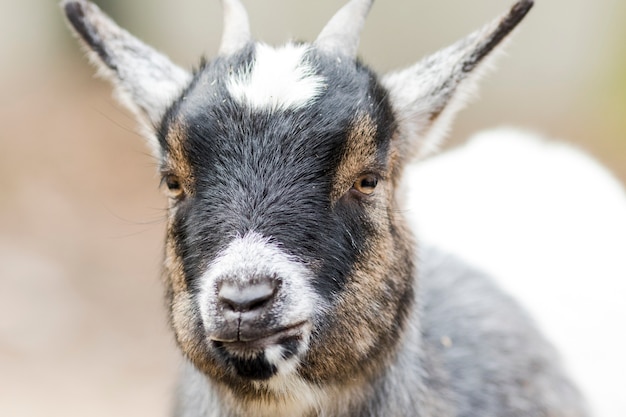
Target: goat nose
[(248, 297)]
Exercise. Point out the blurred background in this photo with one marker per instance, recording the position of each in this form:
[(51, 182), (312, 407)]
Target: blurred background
[(82, 326)]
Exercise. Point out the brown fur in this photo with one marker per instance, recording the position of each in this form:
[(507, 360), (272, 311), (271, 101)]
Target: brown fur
[(362, 335), (176, 162), (183, 312), (358, 157)]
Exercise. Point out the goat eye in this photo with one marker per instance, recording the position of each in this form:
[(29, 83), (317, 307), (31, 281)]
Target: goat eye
[(173, 185), (366, 184)]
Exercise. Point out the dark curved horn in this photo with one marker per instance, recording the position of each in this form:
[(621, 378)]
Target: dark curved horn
[(342, 33), (236, 32)]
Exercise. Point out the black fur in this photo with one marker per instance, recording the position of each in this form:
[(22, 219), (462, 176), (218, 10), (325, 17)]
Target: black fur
[(256, 367), (76, 15), (510, 22), (271, 172)]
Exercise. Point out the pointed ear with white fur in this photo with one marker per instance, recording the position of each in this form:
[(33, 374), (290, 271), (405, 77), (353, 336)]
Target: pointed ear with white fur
[(427, 95), (146, 80)]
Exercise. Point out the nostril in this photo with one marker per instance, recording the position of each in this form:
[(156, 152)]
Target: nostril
[(248, 297)]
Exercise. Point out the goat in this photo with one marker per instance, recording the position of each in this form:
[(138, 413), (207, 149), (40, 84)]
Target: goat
[(294, 284)]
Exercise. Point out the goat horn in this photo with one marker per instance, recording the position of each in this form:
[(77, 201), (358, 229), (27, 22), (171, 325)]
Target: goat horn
[(236, 27), (341, 34)]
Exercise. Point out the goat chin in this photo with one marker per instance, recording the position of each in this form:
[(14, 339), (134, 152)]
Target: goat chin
[(549, 223)]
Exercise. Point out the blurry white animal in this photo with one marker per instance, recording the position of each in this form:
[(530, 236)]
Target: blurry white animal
[(549, 223)]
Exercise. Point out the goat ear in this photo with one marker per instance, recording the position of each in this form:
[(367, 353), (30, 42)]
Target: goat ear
[(145, 80), (427, 95)]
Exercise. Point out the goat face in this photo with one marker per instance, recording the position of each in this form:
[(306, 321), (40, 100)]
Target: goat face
[(287, 261), (282, 220)]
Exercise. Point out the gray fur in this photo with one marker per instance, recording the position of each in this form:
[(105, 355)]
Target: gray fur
[(428, 94), (146, 81), (471, 351), (495, 360)]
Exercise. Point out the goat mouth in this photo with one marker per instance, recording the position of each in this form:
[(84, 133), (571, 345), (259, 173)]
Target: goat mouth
[(256, 341)]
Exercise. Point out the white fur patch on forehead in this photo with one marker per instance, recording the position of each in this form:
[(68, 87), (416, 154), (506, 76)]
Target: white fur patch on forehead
[(278, 79)]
